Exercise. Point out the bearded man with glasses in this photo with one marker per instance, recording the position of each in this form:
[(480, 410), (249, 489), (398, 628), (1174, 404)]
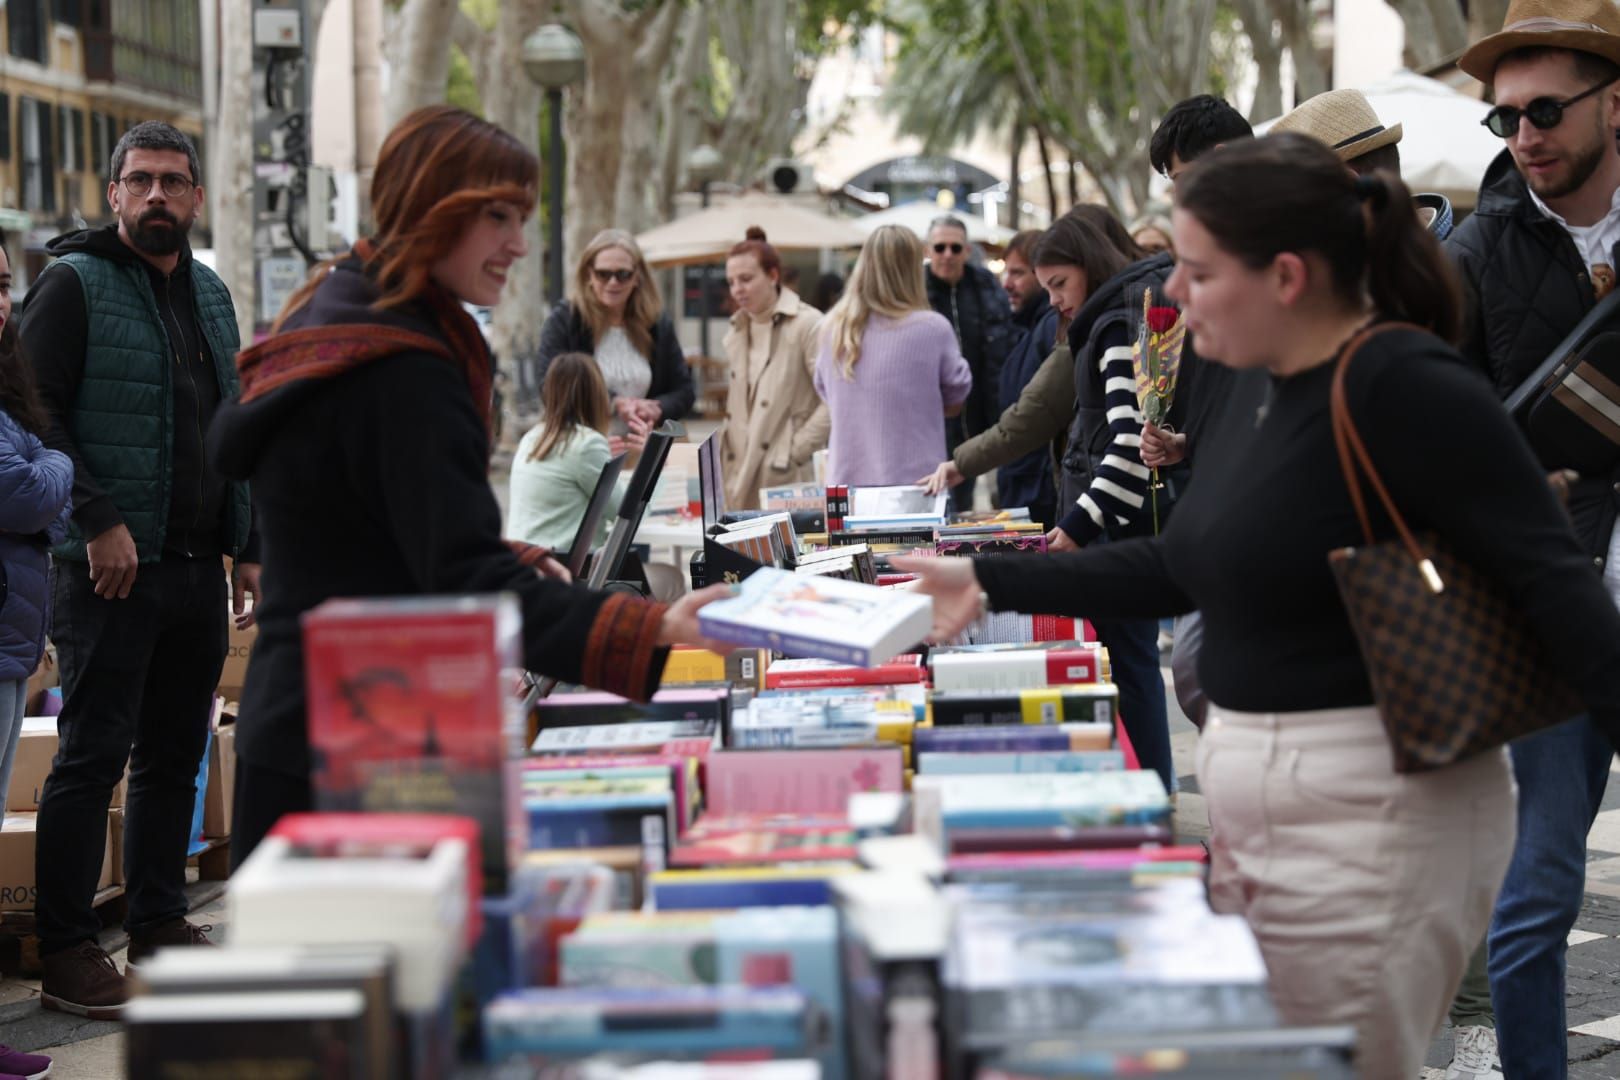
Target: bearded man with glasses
[(134, 345), (977, 307), (1536, 256)]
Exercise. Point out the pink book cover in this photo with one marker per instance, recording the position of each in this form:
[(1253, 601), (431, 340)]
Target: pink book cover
[(1116, 859), (798, 781), (680, 771)]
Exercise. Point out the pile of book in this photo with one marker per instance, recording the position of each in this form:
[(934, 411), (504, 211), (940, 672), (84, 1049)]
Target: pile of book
[(890, 861)]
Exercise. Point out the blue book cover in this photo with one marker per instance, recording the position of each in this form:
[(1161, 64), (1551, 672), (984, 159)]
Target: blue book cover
[(1037, 761), (685, 894), (1008, 739), (537, 1025)]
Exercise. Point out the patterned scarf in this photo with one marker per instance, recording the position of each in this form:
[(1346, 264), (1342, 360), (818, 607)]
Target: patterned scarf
[(319, 352)]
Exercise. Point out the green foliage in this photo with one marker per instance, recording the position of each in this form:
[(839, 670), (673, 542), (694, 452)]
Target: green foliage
[(462, 89)]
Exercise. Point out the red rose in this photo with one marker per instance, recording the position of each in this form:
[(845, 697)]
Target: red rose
[(1161, 319)]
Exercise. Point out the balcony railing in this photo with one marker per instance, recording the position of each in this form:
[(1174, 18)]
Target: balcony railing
[(114, 59)]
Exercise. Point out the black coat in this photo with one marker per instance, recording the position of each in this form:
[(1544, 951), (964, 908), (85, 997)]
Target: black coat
[(984, 326), (672, 386), (372, 483), (1526, 288)]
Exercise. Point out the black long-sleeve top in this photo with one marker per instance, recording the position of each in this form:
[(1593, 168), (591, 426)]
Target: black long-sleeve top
[(1249, 542)]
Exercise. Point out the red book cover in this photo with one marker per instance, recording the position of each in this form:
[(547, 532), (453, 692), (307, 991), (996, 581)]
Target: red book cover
[(812, 674), (409, 709), (338, 836), (1073, 666), (765, 846)]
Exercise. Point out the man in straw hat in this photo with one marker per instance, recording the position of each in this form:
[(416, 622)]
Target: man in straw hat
[(1346, 122), (1538, 252)]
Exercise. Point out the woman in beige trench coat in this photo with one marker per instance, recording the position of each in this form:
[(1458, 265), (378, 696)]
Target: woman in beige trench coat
[(775, 420)]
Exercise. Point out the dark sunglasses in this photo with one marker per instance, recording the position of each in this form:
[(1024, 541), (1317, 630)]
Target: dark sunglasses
[(954, 249), (621, 276), (1544, 112)]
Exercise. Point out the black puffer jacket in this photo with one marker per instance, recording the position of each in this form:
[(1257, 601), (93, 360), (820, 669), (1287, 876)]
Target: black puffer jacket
[(1527, 287), (1112, 316), (984, 326)]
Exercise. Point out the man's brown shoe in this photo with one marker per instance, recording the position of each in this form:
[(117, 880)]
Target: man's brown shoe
[(83, 981), (174, 933)]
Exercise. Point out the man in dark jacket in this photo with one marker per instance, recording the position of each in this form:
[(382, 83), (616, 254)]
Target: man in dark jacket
[(976, 304), (133, 344), (1027, 481), (1535, 256)]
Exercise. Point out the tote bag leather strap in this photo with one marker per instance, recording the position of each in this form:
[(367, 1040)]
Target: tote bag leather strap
[(1354, 460)]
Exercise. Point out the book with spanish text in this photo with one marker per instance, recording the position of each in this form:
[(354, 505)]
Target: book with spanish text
[(792, 674)]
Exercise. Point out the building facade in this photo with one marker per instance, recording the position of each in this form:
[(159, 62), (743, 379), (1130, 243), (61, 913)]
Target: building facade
[(75, 75)]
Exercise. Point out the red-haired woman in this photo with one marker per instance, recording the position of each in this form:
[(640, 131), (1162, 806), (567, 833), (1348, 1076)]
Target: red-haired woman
[(775, 420), (364, 428)]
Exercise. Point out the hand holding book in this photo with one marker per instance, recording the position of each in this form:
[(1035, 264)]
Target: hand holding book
[(680, 624), (954, 587)]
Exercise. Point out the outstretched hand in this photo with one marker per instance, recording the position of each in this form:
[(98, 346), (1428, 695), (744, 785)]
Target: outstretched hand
[(943, 478), (680, 625), (954, 587)]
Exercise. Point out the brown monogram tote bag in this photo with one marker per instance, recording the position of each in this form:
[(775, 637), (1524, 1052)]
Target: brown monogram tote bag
[(1454, 667)]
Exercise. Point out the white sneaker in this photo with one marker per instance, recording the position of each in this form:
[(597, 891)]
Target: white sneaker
[(1475, 1055)]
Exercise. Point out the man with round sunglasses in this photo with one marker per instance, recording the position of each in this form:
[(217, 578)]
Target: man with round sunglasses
[(978, 309), (1536, 255)]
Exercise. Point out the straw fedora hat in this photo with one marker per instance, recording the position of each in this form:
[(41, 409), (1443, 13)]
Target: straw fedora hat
[(1344, 119), (1582, 25)]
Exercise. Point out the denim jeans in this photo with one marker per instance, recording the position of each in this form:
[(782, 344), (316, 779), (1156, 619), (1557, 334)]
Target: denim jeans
[(13, 704), (138, 681), (1133, 648), (1561, 773)]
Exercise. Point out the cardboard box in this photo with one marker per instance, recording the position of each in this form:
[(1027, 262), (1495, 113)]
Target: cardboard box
[(238, 649), (121, 792), (221, 782), (17, 846), (115, 844), (36, 747)]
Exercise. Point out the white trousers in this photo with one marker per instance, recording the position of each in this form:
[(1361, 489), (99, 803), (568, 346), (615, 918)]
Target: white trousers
[(1367, 889)]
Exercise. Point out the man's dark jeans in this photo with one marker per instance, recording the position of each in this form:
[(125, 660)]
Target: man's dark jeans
[(138, 680)]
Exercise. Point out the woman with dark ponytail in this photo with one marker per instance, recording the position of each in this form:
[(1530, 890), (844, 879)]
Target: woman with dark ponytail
[(775, 421), (35, 489), (1366, 889)]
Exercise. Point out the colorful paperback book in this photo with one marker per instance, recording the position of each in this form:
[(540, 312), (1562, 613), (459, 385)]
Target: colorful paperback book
[(783, 946), (798, 781), (898, 500), (546, 1025), (1056, 838), (811, 674), (1040, 761), (741, 667), (998, 543), (595, 708), (766, 846), (683, 772), (789, 497), (1014, 738), (408, 709), (1038, 800), (1015, 628), (1014, 669), (746, 887), (817, 616), (1096, 703), (647, 736)]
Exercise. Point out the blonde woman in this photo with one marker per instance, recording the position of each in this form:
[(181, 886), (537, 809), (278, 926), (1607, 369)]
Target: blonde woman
[(889, 368), (615, 314), (560, 459), (775, 421)]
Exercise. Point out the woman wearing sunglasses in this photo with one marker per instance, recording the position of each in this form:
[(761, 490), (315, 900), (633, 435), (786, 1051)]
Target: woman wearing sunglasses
[(615, 314)]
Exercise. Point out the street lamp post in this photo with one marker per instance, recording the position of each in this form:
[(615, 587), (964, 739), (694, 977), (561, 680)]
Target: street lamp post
[(704, 164), (554, 58)]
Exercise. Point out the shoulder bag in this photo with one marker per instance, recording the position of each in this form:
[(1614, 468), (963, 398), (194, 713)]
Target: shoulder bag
[(1454, 667)]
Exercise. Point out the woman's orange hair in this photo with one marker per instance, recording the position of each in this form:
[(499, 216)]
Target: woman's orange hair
[(436, 171)]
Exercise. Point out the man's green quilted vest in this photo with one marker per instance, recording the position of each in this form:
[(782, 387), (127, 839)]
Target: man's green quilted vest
[(123, 417)]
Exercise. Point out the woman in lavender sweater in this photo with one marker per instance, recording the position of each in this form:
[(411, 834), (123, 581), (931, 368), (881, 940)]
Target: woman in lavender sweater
[(890, 369)]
